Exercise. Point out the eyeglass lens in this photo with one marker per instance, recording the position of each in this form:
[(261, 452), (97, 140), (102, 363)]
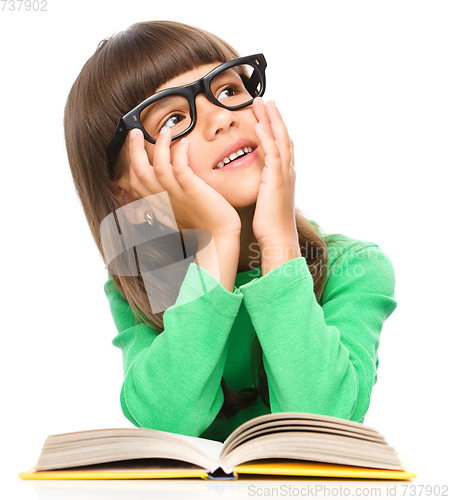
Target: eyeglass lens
[(236, 86)]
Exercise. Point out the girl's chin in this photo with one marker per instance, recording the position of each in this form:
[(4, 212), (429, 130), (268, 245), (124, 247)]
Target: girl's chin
[(243, 205)]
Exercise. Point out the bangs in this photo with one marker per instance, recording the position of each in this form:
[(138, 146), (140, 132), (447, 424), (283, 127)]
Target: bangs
[(147, 55)]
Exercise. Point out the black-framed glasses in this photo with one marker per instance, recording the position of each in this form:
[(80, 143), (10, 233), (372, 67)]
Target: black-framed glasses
[(233, 85)]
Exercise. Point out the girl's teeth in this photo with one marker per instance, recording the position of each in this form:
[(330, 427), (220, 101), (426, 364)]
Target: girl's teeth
[(233, 156)]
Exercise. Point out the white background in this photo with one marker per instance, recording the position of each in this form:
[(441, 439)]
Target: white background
[(364, 89)]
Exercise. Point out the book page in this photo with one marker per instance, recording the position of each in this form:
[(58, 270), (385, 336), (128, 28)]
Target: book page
[(312, 446), (107, 445), (277, 420), (207, 446)]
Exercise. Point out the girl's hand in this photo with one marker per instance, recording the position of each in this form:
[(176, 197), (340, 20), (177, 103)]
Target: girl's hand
[(274, 217), (185, 198)]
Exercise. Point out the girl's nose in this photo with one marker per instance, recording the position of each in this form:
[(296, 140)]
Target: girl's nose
[(213, 119)]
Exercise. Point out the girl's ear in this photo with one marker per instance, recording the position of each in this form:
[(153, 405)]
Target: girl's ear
[(123, 196), (129, 205), (135, 209)]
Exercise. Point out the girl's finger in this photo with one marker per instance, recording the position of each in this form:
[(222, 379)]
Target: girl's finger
[(291, 147), (180, 163), (280, 133), (161, 161), (142, 177), (143, 180), (270, 118), (271, 150), (259, 108)]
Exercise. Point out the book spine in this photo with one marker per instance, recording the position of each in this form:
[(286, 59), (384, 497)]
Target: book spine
[(220, 475)]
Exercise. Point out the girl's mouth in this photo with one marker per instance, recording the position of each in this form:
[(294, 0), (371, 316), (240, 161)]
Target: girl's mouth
[(241, 158)]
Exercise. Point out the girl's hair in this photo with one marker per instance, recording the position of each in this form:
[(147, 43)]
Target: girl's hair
[(124, 70)]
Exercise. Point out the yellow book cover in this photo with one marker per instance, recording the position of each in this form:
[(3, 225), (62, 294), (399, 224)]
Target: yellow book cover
[(268, 469), (288, 444)]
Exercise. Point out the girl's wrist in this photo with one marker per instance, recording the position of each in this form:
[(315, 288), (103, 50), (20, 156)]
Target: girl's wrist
[(204, 237), (276, 254), (220, 257)]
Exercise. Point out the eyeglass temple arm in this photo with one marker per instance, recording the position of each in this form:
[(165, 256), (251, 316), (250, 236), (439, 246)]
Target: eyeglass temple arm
[(255, 79), (120, 134), (253, 83)]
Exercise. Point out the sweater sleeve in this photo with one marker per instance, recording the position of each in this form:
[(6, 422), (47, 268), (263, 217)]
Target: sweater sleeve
[(323, 358), (172, 379)]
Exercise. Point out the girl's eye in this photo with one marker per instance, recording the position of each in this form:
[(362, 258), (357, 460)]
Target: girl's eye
[(173, 120), (228, 92)]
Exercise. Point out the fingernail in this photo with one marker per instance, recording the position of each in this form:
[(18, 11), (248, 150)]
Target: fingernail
[(164, 130), (133, 133), (272, 103), (260, 126)]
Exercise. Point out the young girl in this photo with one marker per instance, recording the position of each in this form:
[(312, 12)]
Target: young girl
[(228, 303)]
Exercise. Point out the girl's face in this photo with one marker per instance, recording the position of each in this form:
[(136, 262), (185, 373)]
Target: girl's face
[(216, 129)]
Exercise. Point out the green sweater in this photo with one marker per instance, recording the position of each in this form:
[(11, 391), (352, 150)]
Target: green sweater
[(319, 357)]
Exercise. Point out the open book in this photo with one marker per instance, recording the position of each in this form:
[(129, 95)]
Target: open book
[(279, 443)]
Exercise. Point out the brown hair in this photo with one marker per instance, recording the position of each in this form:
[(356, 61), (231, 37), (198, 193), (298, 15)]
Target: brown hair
[(124, 70)]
